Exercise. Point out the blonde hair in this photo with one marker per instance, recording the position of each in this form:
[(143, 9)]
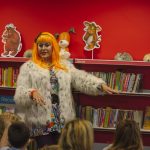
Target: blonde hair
[(47, 37), (10, 117), (50, 147), (77, 135)]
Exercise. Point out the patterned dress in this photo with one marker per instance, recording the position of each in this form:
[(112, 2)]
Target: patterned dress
[(54, 122)]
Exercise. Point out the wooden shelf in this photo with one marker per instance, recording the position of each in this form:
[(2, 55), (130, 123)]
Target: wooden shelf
[(77, 92), (7, 88), (15, 59), (143, 131), (145, 93), (111, 62), (104, 129)]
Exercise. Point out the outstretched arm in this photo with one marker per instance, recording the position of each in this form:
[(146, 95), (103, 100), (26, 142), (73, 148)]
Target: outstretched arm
[(89, 84)]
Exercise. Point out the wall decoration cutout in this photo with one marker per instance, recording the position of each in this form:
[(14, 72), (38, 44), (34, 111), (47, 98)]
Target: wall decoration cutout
[(91, 37), (12, 41)]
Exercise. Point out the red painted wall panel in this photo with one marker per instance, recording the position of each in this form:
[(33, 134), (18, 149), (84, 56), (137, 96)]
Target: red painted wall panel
[(125, 24)]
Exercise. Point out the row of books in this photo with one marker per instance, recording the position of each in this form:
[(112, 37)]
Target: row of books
[(121, 81), (6, 99), (8, 76), (108, 117), (7, 109)]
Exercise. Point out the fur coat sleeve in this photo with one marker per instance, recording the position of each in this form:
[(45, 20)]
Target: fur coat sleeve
[(85, 82), (22, 96), (32, 77)]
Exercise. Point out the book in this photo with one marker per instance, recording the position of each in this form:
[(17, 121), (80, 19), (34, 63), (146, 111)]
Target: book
[(111, 118), (146, 124), (138, 79), (107, 116), (131, 82), (7, 99), (88, 113), (138, 117), (117, 83), (95, 117), (126, 82)]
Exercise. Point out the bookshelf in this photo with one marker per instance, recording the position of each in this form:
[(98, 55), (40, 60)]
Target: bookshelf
[(140, 93), (111, 62), (7, 88), (13, 60), (7, 92), (124, 100)]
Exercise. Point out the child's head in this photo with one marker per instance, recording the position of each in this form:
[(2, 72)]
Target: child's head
[(127, 135), (77, 135), (18, 134), (6, 119)]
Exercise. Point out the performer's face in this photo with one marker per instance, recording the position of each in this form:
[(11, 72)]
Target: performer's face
[(45, 50)]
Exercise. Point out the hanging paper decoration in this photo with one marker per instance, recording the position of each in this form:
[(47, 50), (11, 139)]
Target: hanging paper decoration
[(12, 41), (91, 37)]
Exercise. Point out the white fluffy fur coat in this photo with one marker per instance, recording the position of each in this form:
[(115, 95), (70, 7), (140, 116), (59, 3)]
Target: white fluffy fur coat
[(32, 76)]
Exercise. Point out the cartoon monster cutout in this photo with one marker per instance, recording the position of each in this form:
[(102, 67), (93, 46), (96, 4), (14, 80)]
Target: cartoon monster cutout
[(91, 37), (12, 41)]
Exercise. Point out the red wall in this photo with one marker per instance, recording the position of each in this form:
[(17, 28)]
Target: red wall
[(125, 24)]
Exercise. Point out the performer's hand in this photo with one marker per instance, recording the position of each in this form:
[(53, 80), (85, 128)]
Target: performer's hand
[(108, 90), (36, 96)]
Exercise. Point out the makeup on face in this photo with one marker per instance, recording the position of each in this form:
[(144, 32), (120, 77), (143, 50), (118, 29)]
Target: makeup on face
[(44, 50), (44, 44)]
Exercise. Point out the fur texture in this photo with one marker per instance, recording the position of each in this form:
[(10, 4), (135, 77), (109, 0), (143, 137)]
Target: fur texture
[(34, 77)]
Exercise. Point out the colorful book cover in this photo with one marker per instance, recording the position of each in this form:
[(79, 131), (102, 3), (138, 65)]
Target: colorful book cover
[(95, 117), (146, 124), (6, 99), (107, 114), (137, 83)]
